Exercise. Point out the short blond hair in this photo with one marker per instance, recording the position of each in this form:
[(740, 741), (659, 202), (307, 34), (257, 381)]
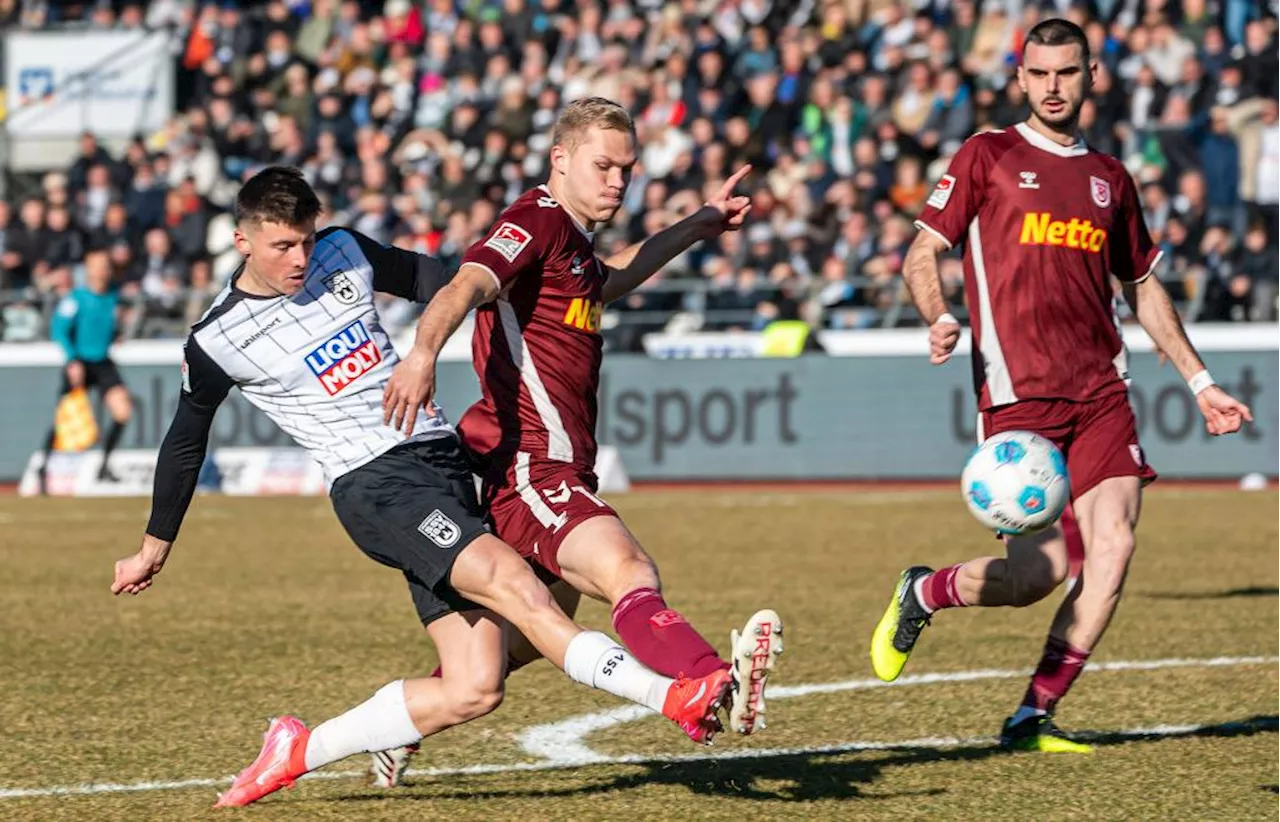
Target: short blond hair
[(587, 113)]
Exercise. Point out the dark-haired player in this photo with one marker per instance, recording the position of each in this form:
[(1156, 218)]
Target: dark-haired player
[(297, 331), (1046, 223)]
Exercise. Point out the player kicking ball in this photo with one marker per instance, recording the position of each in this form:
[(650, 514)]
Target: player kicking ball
[(1047, 222), (297, 331), (539, 289)]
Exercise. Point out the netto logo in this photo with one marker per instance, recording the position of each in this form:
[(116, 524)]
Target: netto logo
[(1039, 228), (584, 314)]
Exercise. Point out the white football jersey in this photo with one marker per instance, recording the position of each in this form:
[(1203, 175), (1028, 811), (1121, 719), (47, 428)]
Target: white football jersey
[(316, 362)]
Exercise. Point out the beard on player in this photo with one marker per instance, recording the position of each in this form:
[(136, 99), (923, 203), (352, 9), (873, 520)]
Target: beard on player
[(1056, 80)]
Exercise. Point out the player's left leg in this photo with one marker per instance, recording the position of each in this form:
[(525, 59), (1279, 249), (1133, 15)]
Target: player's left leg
[(1107, 515), (1108, 471), (400, 713), (602, 558), (387, 768), (119, 405)]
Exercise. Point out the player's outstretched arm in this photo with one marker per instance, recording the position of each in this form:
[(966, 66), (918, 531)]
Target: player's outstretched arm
[(1150, 302), (412, 382), (177, 469), (920, 270), (629, 268)]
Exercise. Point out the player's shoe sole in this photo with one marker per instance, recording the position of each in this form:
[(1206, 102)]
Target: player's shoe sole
[(755, 651), (899, 629), (1040, 734), (387, 768), (280, 763)]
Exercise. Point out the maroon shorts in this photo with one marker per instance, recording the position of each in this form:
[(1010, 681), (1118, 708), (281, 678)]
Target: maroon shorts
[(538, 503), (1099, 438)]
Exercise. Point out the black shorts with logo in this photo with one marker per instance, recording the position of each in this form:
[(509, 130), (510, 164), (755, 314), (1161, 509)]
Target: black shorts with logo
[(415, 508)]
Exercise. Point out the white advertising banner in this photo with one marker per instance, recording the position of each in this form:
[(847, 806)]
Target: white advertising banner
[(115, 83), (235, 472), (244, 471)]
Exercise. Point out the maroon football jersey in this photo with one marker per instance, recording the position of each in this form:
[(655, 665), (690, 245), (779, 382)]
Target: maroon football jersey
[(537, 347), (1044, 227)]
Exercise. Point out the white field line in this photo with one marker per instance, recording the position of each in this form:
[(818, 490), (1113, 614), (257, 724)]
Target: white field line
[(564, 740), (592, 722)]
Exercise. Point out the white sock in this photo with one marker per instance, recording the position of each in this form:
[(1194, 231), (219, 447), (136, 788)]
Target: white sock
[(918, 588), (1025, 711), (379, 723), (596, 661)]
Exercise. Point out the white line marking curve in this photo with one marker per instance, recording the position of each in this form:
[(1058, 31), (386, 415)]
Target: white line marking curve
[(596, 721)]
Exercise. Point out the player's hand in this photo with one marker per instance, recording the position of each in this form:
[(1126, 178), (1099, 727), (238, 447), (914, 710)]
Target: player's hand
[(134, 574), (732, 210), (944, 334), (1223, 413), (75, 373), (412, 385)]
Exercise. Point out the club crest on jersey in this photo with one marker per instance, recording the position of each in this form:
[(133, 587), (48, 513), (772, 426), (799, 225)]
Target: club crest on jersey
[(942, 192), (344, 358), (509, 240), (1101, 191), (341, 286)]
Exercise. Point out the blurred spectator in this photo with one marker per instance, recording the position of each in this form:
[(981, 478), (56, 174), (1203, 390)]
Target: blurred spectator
[(416, 120)]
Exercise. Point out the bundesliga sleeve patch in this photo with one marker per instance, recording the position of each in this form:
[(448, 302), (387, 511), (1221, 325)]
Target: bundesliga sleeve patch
[(509, 240), (942, 192)]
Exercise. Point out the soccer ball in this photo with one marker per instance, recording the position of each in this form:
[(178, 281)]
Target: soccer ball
[(1016, 483)]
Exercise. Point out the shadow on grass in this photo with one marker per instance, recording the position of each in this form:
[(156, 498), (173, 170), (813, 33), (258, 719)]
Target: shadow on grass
[(1253, 591), (800, 777)]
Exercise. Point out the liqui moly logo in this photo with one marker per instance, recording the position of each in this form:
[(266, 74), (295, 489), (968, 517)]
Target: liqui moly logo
[(344, 358)]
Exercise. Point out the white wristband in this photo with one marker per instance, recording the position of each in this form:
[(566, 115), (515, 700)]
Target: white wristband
[(947, 318), (1200, 381)]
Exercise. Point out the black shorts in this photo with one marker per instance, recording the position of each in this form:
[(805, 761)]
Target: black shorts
[(415, 508), (102, 375)]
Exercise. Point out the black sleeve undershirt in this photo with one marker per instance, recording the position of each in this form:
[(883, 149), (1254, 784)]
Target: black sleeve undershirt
[(205, 385)]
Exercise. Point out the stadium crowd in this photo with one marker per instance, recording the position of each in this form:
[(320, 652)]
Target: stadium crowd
[(417, 120)]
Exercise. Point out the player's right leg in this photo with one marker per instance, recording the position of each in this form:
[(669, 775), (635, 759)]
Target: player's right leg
[(1034, 566)]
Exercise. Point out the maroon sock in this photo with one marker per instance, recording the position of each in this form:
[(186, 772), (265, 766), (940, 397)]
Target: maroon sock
[(1058, 668), (939, 589), (662, 639)]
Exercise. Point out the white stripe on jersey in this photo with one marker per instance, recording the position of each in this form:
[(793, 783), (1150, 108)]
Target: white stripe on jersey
[(545, 516), (999, 382), (316, 363), (559, 447)]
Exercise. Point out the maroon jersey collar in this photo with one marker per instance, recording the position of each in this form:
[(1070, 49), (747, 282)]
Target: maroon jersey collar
[(1035, 138)]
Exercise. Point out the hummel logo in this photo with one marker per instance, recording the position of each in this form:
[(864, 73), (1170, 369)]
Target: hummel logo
[(702, 689), (1028, 180)]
